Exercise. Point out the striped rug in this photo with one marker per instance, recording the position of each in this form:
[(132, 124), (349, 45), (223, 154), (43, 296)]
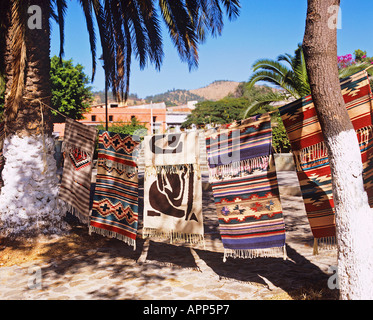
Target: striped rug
[(115, 202), (310, 154), (78, 148), (245, 189)]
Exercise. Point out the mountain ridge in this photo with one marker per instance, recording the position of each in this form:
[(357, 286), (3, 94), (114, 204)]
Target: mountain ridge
[(216, 90)]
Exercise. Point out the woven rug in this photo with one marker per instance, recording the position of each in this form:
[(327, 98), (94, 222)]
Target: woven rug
[(115, 202), (311, 158), (173, 188), (2, 160), (78, 148), (246, 191)]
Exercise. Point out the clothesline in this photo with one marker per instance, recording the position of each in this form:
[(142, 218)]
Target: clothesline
[(66, 117), (44, 104)]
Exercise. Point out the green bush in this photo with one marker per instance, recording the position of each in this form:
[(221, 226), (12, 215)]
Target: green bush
[(280, 141)]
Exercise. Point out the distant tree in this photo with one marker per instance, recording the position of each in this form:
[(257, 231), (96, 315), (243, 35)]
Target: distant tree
[(222, 111), (174, 97), (250, 92), (71, 94), (99, 96), (125, 128), (360, 54), (280, 140)]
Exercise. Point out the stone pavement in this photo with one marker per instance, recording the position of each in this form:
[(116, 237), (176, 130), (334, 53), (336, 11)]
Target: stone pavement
[(161, 271)]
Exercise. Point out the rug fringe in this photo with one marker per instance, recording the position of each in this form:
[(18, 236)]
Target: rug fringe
[(325, 243), (179, 168), (319, 151), (112, 234), (364, 134), (315, 152), (82, 217), (275, 252), (174, 236), (239, 167)]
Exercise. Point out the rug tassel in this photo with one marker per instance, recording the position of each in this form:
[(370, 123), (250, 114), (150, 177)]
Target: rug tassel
[(285, 253), (112, 234), (315, 247), (174, 236), (82, 217), (276, 252), (239, 168), (364, 134)]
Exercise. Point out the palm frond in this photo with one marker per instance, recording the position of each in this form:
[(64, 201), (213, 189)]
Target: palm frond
[(271, 65), (132, 27), (61, 11), (271, 77), (232, 8), (293, 79), (87, 9), (139, 32), (154, 34), (213, 13), (301, 82), (262, 102), (106, 39), (286, 57), (181, 29)]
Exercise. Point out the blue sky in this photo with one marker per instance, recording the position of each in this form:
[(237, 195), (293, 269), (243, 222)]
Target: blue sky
[(264, 29)]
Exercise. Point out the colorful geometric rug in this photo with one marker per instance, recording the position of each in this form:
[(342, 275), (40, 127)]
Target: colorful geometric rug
[(246, 190), (310, 154), (2, 160), (78, 148), (115, 202), (173, 188)]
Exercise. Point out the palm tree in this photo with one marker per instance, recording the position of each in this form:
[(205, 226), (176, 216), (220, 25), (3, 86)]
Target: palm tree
[(293, 78), (264, 103), (290, 77), (126, 28)]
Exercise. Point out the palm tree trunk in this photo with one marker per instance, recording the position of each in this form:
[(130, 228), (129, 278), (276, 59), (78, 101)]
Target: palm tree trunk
[(28, 200), (354, 218)]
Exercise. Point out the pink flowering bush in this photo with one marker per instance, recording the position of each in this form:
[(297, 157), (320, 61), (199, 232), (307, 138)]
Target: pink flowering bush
[(348, 60), (345, 61)]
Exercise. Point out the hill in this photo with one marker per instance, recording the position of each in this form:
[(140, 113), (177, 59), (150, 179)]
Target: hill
[(174, 97), (216, 90)]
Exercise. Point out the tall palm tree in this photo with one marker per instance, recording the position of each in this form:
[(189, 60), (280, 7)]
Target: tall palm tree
[(126, 28)]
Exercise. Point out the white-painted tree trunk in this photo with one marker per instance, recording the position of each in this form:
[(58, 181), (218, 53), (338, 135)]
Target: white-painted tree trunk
[(354, 218), (28, 199)]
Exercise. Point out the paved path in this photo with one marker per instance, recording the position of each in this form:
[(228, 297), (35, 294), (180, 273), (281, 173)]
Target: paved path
[(159, 271)]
